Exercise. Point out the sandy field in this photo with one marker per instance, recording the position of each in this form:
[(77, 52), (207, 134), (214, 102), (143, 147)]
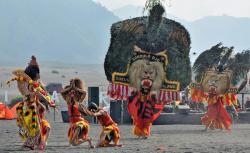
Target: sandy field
[(165, 138)]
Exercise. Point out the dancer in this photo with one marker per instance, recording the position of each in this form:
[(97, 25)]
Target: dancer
[(212, 91), (142, 109), (74, 95), (110, 131), (33, 128), (148, 89)]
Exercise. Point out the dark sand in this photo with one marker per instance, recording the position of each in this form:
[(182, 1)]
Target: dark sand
[(165, 138)]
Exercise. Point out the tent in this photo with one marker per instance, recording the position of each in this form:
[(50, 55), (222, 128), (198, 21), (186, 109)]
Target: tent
[(5, 112), (13, 109)]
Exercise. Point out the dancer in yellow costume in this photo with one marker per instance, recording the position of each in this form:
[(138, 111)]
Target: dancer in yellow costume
[(33, 128)]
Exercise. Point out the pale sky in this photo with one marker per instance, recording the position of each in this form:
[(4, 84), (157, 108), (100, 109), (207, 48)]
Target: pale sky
[(192, 9)]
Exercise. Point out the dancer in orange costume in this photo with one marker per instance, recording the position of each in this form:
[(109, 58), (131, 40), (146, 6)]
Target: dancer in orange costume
[(142, 109), (110, 131), (215, 90), (74, 95)]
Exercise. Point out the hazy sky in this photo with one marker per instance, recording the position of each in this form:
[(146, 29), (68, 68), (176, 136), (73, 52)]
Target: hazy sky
[(192, 9)]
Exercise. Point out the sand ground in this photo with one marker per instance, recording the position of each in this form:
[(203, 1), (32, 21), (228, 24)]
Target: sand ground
[(165, 138)]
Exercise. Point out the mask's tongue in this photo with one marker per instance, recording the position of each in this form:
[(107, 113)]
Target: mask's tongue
[(146, 85)]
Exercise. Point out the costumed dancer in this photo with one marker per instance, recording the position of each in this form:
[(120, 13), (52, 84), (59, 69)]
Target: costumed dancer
[(110, 131), (154, 64), (74, 95), (216, 78), (142, 107), (213, 91), (149, 90), (146, 76), (33, 127)]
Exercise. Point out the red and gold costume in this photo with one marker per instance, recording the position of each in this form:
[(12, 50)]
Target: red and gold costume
[(77, 121), (74, 95), (217, 95), (146, 88), (143, 110), (109, 128)]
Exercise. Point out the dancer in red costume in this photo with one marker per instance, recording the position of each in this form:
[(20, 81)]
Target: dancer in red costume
[(144, 110), (74, 95), (215, 90), (110, 131)]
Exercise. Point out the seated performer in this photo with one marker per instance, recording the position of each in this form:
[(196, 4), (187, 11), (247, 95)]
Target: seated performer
[(74, 95), (110, 131), (33, 128)]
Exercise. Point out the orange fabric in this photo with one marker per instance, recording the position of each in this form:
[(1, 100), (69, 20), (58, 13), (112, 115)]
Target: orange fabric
[(44, 125), (142, 130), (76, 121), (198, 95), (8, 114), (83, 125), (143, 110), (13, 109), (107, 130), (5, 112), (216, 117)]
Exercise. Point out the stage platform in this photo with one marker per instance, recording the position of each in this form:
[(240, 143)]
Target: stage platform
[(193, 118)]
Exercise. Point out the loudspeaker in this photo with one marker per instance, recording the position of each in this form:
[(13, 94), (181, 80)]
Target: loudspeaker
[(126, 116), (93, 95), (115, 110), (119, 112), (65, 116)]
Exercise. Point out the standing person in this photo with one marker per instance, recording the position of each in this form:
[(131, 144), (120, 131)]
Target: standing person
[(110, 131), (74, 95), (215, 90), (142, 109), (33, 128)]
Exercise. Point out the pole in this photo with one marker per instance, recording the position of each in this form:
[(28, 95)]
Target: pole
[(5, 97), (54, 114), (242, 101), (122, 112)]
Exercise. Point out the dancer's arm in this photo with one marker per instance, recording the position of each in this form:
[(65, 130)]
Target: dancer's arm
[(99, 113), (83, 110)]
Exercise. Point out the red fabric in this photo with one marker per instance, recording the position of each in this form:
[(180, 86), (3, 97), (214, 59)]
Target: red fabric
[(105, 120), (217, 116), (74, 116), (142, 110)]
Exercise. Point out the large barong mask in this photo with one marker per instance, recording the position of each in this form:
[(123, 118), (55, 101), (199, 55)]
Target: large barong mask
[(145, 73), (216, 82)]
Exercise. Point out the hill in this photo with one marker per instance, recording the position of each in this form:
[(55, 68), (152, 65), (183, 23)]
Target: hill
[(65, 31)]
